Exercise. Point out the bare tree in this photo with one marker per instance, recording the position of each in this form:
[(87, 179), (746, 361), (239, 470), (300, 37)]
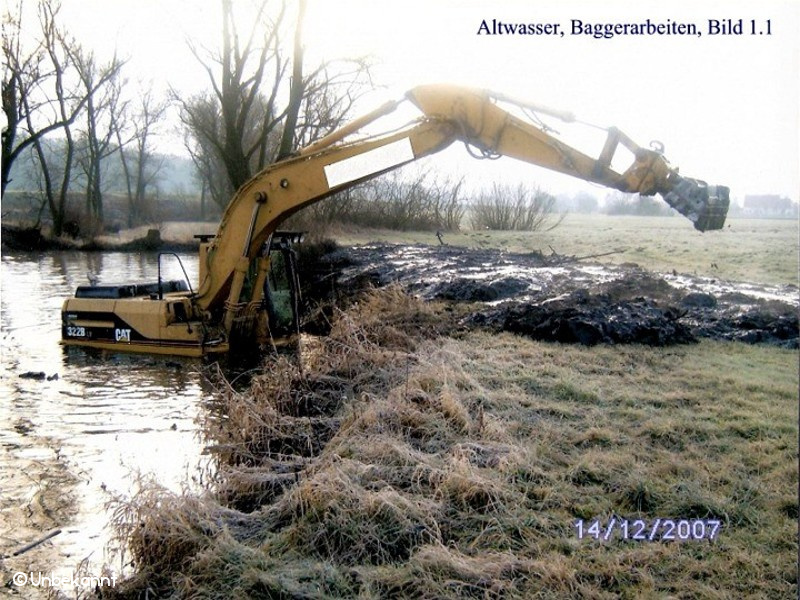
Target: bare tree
[(25, 70), (243, 123), (42, 94), (139, 165), (235, 120), (295, 88), (203, 123), (104, 101), (55, 45), (21, 70)]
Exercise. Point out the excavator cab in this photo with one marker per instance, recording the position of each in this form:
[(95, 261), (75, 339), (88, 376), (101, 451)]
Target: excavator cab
[(268, 310), (282, 288)]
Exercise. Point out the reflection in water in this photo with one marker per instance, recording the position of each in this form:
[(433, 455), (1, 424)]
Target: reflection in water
[(80, 435)]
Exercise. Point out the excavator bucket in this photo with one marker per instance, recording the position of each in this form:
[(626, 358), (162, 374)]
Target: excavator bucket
[(704, 205)]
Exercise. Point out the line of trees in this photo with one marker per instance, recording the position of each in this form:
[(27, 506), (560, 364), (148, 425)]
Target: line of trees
[(65, 106), (620, 203), (68, 108), (421, 202), (425, 202), (70, 115)]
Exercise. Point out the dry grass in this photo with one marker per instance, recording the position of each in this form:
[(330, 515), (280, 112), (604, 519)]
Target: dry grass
[(399, 463)]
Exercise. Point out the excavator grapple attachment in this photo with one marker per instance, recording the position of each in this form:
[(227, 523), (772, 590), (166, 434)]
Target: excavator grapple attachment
[(704, 205)]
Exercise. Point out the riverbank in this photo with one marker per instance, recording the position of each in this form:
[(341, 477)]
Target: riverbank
[(169, 237), (406, 458)]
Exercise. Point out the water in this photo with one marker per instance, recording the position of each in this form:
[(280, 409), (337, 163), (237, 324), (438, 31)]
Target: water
[(71, 442)]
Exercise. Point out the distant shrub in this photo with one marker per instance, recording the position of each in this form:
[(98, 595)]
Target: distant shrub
[(520, 208)]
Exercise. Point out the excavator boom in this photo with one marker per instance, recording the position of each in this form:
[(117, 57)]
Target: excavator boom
[(450, 114)]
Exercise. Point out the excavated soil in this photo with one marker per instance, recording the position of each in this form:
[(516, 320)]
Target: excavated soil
[(561, 298)]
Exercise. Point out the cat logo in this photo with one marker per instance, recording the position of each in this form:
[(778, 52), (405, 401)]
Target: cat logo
[(122, 335)]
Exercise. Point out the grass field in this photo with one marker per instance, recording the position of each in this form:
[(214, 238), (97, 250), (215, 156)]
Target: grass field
[(403, 463)]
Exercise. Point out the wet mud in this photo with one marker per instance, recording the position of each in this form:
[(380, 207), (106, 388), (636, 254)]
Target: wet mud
[(563, 299), (589, 320)]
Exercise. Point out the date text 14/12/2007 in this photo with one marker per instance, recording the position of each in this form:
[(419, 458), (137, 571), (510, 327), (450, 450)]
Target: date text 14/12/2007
[(651, 530)]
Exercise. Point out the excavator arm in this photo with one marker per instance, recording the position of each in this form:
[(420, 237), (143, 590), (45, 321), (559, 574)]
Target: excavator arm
[(450, 113), (495, 131)]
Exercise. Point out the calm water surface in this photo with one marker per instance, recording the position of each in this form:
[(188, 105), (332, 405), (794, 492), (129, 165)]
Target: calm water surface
[(80, 437)]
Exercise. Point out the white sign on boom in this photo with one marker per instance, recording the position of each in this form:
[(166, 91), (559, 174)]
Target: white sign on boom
[(373, 161)]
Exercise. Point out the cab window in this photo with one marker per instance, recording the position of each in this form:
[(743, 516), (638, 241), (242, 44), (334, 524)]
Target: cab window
[(280, 293)]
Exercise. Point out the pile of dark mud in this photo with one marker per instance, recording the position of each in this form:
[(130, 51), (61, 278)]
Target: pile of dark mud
[(582, 318), (562, 299)]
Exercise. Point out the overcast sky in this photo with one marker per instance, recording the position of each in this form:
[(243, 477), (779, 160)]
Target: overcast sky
[(725, 106)]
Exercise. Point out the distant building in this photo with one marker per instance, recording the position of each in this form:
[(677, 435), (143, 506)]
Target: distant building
[(769, 205)]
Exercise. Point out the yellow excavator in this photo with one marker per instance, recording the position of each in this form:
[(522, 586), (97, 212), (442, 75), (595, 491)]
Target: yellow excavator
[(247, 276)]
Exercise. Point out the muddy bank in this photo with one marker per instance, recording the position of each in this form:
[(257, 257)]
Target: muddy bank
[(31, 239), (594, 319), (562, 299), (397, 463), (589, 320)]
